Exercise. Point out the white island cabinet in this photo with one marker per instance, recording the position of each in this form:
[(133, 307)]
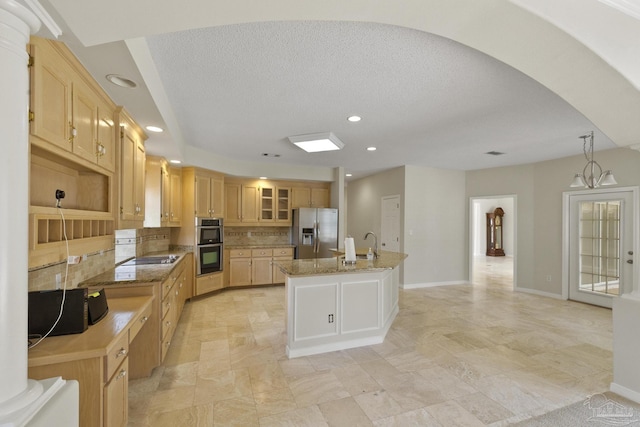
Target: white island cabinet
[(333, 307)]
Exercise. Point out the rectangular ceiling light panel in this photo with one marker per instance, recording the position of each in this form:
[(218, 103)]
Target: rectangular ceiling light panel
[(316, 142)]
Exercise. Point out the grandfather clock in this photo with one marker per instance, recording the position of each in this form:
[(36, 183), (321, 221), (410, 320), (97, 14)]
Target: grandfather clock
[(494, 233)]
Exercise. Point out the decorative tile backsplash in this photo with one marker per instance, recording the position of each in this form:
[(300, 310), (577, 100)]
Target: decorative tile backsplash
[(257, 235)]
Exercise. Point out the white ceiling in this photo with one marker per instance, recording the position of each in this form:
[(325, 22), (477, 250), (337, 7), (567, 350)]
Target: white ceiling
[(239, 90)]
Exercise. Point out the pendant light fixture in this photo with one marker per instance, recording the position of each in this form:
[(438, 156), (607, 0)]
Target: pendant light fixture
[(596, 177)]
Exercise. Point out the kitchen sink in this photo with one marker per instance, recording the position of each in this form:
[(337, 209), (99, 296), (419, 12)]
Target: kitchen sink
[(169, 259)]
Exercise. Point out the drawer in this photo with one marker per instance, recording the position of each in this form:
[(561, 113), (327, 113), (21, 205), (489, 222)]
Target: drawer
[(167, 303), (167, 285), (240, 253), (116, 355), (257, 253), (139, 323), (283, 252), (166, 343)]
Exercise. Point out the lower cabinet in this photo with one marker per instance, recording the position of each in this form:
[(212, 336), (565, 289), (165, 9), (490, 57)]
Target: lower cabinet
[(209, 283), (98, 359), (257, 266), (116, 397)]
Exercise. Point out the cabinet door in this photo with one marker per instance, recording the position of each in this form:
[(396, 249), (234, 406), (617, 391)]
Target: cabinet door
[(283, 204), (50, 95), (319, 198), (106, 147), (165, 194), (175, 205), (116, 397), (239, 271), (267, 204), (250, 203), (261, 271), (139, 177), (85, 120), (202, 197), (217, 197), (300, 197), (278, 275), (127, 175), (233, 202), (317, 313)]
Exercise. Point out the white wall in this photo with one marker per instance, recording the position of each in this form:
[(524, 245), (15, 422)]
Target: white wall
[(434, 231), (539, 189), (433, 214)]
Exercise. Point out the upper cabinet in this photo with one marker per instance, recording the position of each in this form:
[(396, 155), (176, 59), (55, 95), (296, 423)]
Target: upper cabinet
[(73, 138), (163, 194), (69, 112), (241, 202), (132, 172), (310, 197), (202, 197)]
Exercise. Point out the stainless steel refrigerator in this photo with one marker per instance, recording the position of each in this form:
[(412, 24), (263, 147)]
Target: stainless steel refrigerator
[(315, 232)]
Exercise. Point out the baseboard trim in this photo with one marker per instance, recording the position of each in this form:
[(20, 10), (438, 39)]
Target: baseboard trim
[(434, 284), (625, 392), (539, 293)]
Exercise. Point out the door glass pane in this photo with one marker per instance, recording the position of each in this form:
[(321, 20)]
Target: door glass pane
[(600, 247)]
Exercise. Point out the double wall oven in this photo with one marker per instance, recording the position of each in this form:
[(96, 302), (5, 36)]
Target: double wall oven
[(209, 235)]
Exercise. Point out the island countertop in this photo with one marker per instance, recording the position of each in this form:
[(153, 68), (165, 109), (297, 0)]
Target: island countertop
[(321, 266)]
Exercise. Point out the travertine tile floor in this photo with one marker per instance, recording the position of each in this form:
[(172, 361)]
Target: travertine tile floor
[(464, 355)]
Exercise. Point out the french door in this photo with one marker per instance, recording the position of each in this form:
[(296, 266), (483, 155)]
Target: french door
[(600, 244)]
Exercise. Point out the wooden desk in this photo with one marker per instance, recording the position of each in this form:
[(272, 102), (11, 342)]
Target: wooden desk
[(98, 359)]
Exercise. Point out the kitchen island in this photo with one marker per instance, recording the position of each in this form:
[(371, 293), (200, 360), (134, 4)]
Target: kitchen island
[(334, 306)]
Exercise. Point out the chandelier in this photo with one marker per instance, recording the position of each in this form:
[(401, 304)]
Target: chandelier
[(596, 177)]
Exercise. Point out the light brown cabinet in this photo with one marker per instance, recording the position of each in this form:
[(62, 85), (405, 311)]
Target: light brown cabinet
[(69, 111), (256, 266), (241, 203), (163, 194), (73, 138), (99, 359), (309, 197), (209, 283), (275, 204), (132, 172), (209, 195)]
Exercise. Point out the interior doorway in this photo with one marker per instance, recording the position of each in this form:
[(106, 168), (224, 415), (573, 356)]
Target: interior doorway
[(483, 268)]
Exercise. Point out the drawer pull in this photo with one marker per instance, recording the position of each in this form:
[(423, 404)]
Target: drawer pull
[(168, 323), (144, 319), (121, 352), (122, 374)]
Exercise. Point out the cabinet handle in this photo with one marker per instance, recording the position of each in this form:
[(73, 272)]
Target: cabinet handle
[(144, 319), (121, 352), (72, 132), (122, 374), (168, 323)]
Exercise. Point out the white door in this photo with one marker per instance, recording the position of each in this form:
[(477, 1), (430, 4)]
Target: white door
[(600, 244), (390, 224)]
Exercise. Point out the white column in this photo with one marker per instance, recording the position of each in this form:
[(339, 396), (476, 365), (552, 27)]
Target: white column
[(16, 24)]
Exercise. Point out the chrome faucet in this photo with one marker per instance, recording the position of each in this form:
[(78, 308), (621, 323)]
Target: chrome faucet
[(375, 242)]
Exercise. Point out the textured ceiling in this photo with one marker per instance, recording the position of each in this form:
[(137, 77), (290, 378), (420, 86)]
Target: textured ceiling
[(240, 90)]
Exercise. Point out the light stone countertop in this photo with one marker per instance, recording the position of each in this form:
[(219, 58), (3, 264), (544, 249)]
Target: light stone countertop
[(127, 274), (322, 266), (276, 245)]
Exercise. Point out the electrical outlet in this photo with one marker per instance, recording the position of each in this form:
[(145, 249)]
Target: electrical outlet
[(73, 259), (58, 280), (331, 318), (548, 278), (84, 257)]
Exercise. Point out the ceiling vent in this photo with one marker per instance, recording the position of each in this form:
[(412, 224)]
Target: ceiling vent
[(494, 153)]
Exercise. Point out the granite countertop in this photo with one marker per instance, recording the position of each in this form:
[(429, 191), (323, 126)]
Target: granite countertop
[(127, 274), (286, 245), (311, 267)]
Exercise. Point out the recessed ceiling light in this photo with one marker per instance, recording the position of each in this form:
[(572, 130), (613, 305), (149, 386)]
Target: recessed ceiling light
[(263, 177), (175, 162), (354, 119), (121, 81), (371, 148), (316, 142), (154, 129), (348, 174)]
